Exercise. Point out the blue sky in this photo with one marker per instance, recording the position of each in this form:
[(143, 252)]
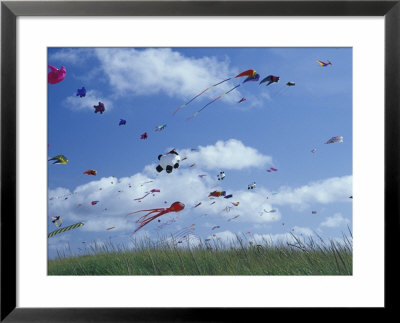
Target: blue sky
[(277, 126)]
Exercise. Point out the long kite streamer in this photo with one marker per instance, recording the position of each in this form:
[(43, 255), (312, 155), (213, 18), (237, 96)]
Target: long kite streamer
[(248, 73), (71, 227), (213, 102)]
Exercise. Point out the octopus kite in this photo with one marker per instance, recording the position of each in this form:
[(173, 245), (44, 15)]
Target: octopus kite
[(56, 75), (175, 207)]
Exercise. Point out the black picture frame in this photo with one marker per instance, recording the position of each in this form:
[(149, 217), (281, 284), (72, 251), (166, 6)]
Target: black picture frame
[(10, 10)]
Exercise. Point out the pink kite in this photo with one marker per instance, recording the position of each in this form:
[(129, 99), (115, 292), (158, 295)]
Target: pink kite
[(56, 75), (272, 169), (175, 207), (95, 202), (216, 227), (241, 100), (152, 191), (143, 136)]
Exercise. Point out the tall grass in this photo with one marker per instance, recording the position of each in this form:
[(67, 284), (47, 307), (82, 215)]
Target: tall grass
[(299, 256)]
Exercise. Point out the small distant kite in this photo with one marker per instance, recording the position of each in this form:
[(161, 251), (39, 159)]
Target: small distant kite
[(198, 204), (81, 92), (94, 202), (57, 220), (323, 64), (313, 212), (215, 227), (71, 227), (251, 186), (241, 100), (175, 207), (335, 139), (192, 165), (235, 203), (228, 196), (148, 193), (122, 122), (194, 149), (272, 170), (235, 217), (217, 193), (90, 172), (201, 176), (350, 197), (221, 176), (290, 84), (56, 75), (314, 150), (271, 79), (59, 159), (159, 128), (108, 229), (143, 135), (99, 108), (270, 211)]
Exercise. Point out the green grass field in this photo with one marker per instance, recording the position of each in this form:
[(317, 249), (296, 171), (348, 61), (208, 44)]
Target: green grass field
[(241, 257)]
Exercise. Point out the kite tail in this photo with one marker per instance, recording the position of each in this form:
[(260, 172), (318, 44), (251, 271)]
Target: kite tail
[(184, 105), (143, 221)]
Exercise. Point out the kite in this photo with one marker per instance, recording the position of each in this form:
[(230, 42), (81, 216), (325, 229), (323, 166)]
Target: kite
[(235, 203), (221, 176), (215, 227), (201, 176), (56, 75), (249, 73), (253, 78), (335, 139), (272, 170), (192, 164), (71, 227), (175, 207), (90, 172), (241, 100), (99, 108), (122, 122), (271, 79), (235, 217), (271, 211), (95, 202), (350, 197), (290, 84), (59, 159), (143, 135), (159, 128), (217, 98), (212, 203), (81, 92), (147, 193), (323, 64), (313, 212), (314, 150), (228, 196), (168, 161), (251, 186), (198, 204), (57, 220), (146, 183), (217, 193), (108, 229), (194, 149)]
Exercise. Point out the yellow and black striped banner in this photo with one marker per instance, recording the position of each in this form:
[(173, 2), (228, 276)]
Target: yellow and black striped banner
[(71, 227)]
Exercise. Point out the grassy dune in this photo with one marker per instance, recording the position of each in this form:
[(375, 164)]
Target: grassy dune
[(297, 257)]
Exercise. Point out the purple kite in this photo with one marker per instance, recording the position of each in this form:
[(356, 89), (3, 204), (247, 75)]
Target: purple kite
[(99, 108)]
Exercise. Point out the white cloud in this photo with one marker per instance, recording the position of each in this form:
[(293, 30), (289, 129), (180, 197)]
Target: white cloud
[(334, 221), (71, 56), (92, 98), (230, 154), (154, 70), (336, 189)]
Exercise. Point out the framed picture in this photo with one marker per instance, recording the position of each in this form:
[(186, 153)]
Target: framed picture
[(229, 136)]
